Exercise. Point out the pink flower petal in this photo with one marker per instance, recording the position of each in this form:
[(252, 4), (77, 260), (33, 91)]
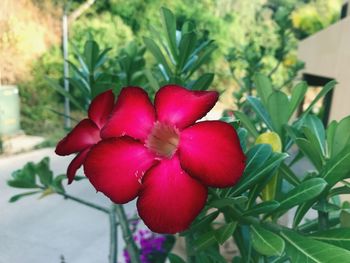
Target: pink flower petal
[(84, 135), (116, 166), (170, 199), (101, 107), (211, 152), (133, 115), (181, 107), (75, 164)]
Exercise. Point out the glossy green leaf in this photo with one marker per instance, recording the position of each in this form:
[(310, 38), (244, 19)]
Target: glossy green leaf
[(91, 53), (305, 191), (289, 175), (304, 249), (249, 180), (266, 242), (228, 201), (337, 168), (257, 156), (263, 87), (315, 127)]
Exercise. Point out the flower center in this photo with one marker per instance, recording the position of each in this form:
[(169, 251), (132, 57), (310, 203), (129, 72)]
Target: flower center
[(163, 139)]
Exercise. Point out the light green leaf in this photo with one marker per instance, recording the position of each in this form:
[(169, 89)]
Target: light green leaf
[(339, 237), (277, 106), (297, 97), (20, 196), (303, 249), (266, 242), (263, 87)]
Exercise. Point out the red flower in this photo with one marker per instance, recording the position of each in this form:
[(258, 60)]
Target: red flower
[(86, 133), (162, 155)]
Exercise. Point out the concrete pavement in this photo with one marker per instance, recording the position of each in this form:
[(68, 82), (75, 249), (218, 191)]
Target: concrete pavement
[(42, 231)]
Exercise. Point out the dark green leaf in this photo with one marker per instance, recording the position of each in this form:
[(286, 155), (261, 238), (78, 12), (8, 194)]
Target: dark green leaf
[(277, 106), (305, 191), (339, 237), (203, 82), (262, 208), (170, 27), (260, 110), (44, 172), (247, 123), (20, 196), (297, 97), (175, 258), (225, 232)]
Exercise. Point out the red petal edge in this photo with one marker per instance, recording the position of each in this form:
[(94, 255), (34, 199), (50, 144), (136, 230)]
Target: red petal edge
[(133, 115), (101, 107), (76, 164), (84, 135), (182, 107), (211, 152)]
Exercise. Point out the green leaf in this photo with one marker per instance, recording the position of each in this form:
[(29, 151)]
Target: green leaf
[(305, 191), (57, 183), (315, 126), (175, 258), (200, 60), (248, 180), (309, 149), (325, 207), (225, 232), (170, 27), (339, 237), (260, 110), (203, 82), (20, 196), (187, 45), (24, 178), (64, 93), (289, 175), (205, 240), (303, 249), (247, 123), (44, 172), (262, 208), (157, 53), (257, 156), (337, 168), (228, 201), (327, 88), (205, 221), (277, 106), (297, 97), (266, 242), (91, 52), (340, 138), (263, 87)]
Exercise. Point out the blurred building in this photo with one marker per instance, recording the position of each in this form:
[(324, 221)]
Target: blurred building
[(327, 56)]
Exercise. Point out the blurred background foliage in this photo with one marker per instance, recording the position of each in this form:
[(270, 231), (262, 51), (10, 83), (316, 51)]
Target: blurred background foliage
[(256, 35)]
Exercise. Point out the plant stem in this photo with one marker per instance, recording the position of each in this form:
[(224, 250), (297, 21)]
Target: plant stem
[(113, 245), (127, 235), (86, 203)]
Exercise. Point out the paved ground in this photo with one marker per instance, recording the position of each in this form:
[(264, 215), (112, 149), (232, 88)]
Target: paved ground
[(41, 231)]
